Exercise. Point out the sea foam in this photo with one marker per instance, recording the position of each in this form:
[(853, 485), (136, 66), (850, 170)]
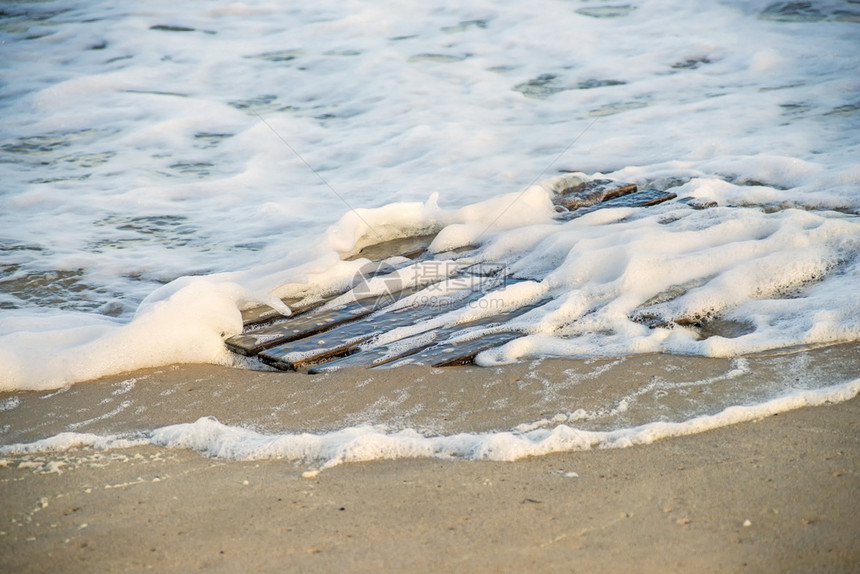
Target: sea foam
[(253, 148), (209, 437), (791, 275)]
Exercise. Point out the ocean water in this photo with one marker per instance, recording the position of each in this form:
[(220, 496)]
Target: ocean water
[(162, 167)]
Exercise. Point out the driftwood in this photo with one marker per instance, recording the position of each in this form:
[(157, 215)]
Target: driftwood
[(320, 336)]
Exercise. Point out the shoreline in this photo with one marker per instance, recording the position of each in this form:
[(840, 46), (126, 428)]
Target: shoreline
[(776, 494), (597, 394)]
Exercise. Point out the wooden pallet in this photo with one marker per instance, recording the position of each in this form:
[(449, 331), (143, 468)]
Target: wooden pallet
[(356, 330)]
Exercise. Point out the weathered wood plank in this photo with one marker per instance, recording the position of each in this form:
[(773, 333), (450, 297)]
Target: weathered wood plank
[(292, 328), (369, 354), (592, 192), (345, 338), (455, 354), (323, 337), (297, 359), (370, 357), (644, 198), (251, 343), (409, 247), (262, 315), (648, 198), (340, 340), (430, 344)]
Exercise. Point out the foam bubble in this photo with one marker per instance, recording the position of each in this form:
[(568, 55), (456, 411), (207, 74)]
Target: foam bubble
[(188, 325), (209, 437), (293, 140)]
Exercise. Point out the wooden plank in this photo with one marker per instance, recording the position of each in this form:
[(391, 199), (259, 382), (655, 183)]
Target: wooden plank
[(257, 317), (455, 354), (294, 358), (339, 341), (409, 247), (432, 346), (263, 315), (591, 193), (644, 198), (251, 343), (343, 339), (292, 328), (448, 353), (325, 338), (260, 315), (370, 357), (648, 198)]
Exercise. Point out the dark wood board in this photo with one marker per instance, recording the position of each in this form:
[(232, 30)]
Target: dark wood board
[(319, 320), (454, 354), (319, 337), (433, 343), (644, 198), (342, 339), (592, 193)]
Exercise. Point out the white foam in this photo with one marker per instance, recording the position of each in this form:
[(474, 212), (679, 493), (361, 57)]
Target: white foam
[(70, 440), (9, 404), (157, 154), (189, 325), (365, 443), (793, 274)]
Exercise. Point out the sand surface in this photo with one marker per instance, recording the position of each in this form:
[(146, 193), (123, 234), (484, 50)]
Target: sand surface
[(778, 494)]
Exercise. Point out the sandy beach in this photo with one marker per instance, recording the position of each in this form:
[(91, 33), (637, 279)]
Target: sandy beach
[(573, 287), (779, 494)]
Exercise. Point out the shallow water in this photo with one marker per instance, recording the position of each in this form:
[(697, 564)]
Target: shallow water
[(163, 167), (506, 413)]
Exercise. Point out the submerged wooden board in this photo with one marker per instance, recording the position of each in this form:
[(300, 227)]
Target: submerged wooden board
[(408, 247), (644, 198), (319, 337), (455, 354), (346, 337), (321, 319), (592, 193), (325, 317), (433, 342), (251, 343), (263, 315)]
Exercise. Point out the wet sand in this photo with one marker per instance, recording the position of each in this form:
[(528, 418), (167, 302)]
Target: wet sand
[(781, 494), (777, 494)]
